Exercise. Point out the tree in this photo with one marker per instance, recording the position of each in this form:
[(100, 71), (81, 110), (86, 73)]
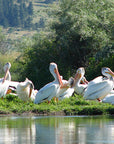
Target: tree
[(49, 1), (13, 14), (30, 8), (82, 29), (41, 23), (79, 31), (28, 23), (3, 20)]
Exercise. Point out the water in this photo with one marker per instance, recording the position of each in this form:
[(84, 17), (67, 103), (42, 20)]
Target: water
[(57, 130)]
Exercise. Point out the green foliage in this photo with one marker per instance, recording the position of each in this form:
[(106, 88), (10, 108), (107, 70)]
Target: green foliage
[(75, 105), (36, 61), (30, 8), (94, 68), (83, 28), (80, 30), (15, 14)]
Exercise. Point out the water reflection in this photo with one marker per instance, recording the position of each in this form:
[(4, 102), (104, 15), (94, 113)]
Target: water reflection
[(57, 130), (16, 130)]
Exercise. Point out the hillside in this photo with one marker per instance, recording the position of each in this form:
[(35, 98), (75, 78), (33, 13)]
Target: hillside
[(33, 24)]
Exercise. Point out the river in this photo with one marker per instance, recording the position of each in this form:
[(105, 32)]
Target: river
[(56, 129)]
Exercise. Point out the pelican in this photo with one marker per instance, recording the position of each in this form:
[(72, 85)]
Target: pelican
[(68, 92), (6, 68), (4, 82), (100, 87), (79, 87), (51, 89), (24, 90), (109, 98), (84, 80)]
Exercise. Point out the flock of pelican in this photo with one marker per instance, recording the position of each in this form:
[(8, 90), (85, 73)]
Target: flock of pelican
[(100, 88)]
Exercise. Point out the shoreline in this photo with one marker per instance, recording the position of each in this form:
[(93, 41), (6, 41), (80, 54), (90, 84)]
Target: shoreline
[(60, 113), (76, 105)]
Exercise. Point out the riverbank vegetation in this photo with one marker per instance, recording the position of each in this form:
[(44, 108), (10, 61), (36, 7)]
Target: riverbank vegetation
[(79, 34), (71, 33), (75, 105)]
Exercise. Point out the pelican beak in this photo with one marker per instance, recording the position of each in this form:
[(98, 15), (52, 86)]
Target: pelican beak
[(31, 88), (111, 73), (58, 77), (78, 75), (86, 81), (6, 74), (30, 92), (75, 79)]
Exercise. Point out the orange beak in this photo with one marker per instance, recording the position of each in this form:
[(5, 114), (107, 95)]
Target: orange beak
[(58, 77), (30, 92), (84, 82), (5, 76), (77, 76), (111, 73)]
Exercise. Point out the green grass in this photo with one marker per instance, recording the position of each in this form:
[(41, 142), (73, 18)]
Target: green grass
[(75, 105)]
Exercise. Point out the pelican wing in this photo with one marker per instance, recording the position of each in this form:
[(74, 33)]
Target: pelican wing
[(47, 92), (96, 80), (1, 80), (3, 88), (98, 89), (112, 92), (109, 99), (13, 84), (68, 93)]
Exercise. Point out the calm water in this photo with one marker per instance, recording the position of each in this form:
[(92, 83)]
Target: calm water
[(57, 130)]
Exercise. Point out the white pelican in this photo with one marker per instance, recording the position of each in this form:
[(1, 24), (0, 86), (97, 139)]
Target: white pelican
[(51, 89), (100, 87), (6, 68), (4, 82), (67, 92), (109, 98), (84, 80), (24, 90), (79, 87)]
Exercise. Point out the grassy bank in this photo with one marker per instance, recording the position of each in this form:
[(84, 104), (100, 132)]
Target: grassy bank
[(75, 105)]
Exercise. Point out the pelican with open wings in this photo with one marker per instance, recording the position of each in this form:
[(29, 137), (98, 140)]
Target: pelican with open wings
[(100, 87), (51, 89)]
